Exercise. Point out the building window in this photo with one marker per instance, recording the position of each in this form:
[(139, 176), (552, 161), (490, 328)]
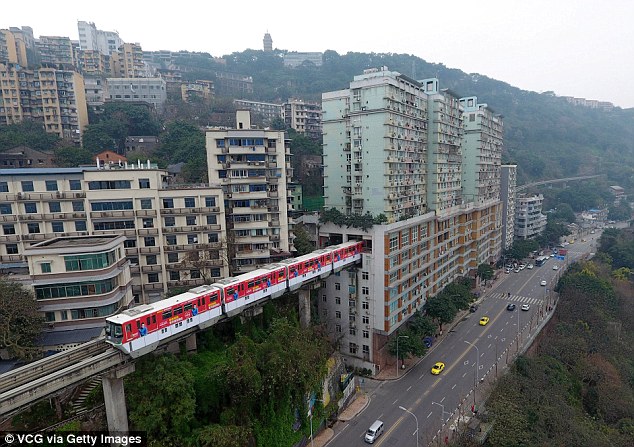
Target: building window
[(212, 238), (49, 316), (210, 201), (175, 275), (45, 267), (58, 226), (146, 204), (190, 220), (8, 229), (90, 261), (33, 228), (27, 186), (12, 249), (144, 183), (80, 225), (337, 286), (153, 277), (149, 241), (220, 143), (352, 331), (78, 205), (365, 276), (338, 314), (170, 239), (366, 319), (30, 207), (5, 208), (4, 187), (129, 243), (192, 239), (190, 202), (365, 290), (55, 207), (365, 305), (172, 257), (211, 219), (170, 221), (75, 185), (194, 274), (150, 260), (353, 348), (51, 185), (168, 203), (366, 349), (393, 242), (338, 328), (366, 334), (148, 223), (337, 300)]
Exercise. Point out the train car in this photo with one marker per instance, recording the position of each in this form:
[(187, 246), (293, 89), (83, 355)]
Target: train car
[(346, 254), (309, 266), (142, 329), (242, 291)]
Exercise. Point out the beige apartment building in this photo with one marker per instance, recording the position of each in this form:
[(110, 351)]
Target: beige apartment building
[(55, 98), (304, 117), (253, 166), (174, 234)]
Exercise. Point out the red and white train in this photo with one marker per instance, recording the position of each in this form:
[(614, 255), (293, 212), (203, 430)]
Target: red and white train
[(142, 329)]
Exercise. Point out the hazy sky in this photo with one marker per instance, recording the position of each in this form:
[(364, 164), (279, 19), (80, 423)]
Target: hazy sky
[(582, 48)]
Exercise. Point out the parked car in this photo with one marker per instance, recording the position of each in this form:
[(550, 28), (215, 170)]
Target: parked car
[(473, 308), (555, 267), (529, 266)]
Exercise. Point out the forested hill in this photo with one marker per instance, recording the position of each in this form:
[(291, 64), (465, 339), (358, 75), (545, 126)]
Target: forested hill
[(546, 136)]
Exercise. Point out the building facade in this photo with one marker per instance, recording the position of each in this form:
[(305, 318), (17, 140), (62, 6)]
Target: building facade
[(56, 51), (304, 117), (529, 220), (253, 167), (91, 38), (268, 111), (149, 90), (508, 183), (174, 233)]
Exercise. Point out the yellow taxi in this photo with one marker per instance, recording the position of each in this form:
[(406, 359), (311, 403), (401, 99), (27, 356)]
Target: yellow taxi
[(437, 368), (484, 321)]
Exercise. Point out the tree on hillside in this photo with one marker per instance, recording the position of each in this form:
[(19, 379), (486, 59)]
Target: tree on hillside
[(70, 156), (20, 322), (181, 142), (28, 133), (302, 241)]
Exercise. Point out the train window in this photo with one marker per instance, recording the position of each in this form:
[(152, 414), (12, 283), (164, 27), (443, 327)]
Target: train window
[(153, 319), (147, 321), (188, 307), (230, 291), (178, 310), (138, 324), (202, 301), (167, 314), (250, 285), (117, 331), (257, 282), (128, 328)]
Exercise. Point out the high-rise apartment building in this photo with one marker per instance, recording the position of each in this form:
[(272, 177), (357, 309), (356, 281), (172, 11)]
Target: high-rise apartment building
[(253, 167), (396, 147), (56, 51), (91, 38), (128, 62), (163, 224), (529, 220), (508, 183), (56, 98), (17, 46), (304, 117), (152, 91)]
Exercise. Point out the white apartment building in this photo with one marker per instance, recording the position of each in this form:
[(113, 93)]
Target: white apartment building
[(529, 220), (508, 184), (253, 166), (149, 90), (174, 234), (91, 38)]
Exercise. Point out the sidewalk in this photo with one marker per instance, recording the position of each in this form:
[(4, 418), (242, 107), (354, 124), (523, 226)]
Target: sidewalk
[(361, 400)]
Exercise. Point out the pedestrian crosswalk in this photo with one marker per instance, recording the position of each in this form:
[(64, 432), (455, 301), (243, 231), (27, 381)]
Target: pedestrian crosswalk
[(515, 298)]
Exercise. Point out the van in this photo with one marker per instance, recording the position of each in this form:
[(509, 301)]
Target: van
[(374, 432)]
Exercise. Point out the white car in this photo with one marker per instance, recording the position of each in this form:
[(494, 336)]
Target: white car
[(543, 283), (555, 267), (529, 266), (526, 306)]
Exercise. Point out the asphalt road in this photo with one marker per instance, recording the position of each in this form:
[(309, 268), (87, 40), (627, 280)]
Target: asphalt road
[(471, 352)]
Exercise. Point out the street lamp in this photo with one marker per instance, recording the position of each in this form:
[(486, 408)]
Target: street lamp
[(397, 338), (477, 358), (407, 411), (311, 423)]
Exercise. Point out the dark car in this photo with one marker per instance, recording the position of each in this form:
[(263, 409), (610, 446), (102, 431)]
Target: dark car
[(473, 308), (510, 306)]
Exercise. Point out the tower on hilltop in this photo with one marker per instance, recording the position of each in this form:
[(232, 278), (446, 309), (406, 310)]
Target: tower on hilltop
[(268, 42)]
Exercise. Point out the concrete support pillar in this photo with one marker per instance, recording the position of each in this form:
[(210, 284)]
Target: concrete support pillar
[(304, 307), (114, 397), (190, 343)]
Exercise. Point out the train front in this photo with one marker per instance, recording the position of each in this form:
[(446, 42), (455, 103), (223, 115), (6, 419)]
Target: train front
[(114, 331)]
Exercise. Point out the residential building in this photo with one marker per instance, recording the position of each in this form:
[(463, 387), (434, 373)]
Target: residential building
[(56, 51), (56, 98), (253, 166), (529, 220), (267, 42), (268, 111), (199, 90), (508, 183), (394, 146), (109, 157), (25, 157), (17, 46), (233, 83), (618, 192), (295, 198), (295, 59), (78, 281), (128, 62), (94, 63), (91, 38), (304, 117), (141, 143), (174, 233), (96, 87), (148, 90)]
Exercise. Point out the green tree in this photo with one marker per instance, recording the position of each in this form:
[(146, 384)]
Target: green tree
[(216, 435), (70, 156), (161, 397), (20, 322), (485, 272), (302, 241), (182, 142), (409, 344), (441, 309), (28, 133), (103, 136)]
